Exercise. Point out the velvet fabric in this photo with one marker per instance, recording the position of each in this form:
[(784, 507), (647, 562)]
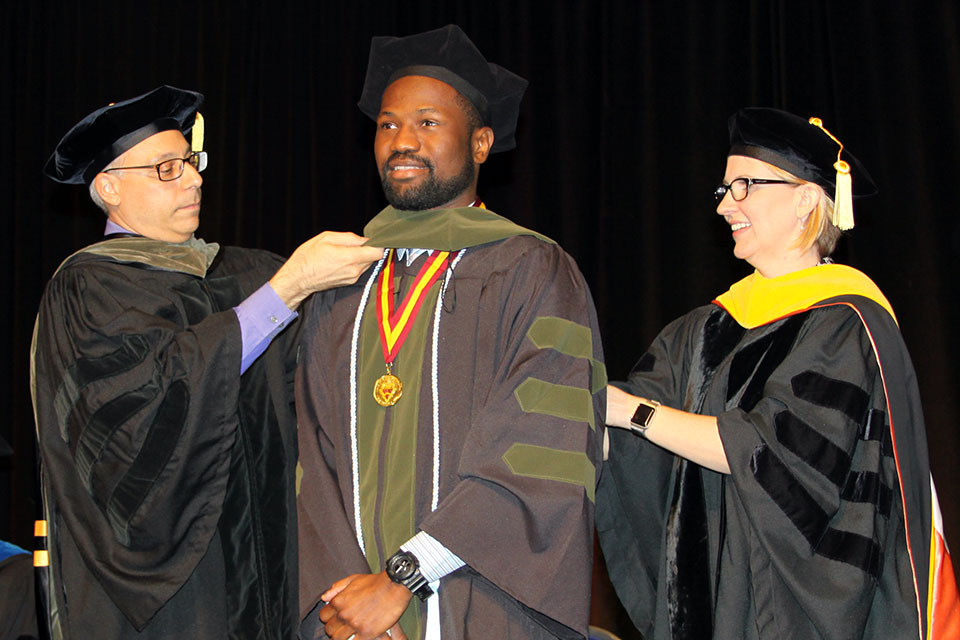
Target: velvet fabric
[(104, 134), (801, 539), (448, 55), (621, 138), (168, 476), (790, 142)]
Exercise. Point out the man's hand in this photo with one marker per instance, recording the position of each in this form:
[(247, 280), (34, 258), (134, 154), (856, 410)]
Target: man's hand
[(364, 607), (330, 259)]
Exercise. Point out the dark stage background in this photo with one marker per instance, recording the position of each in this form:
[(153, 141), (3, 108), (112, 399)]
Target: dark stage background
[(622, 136)]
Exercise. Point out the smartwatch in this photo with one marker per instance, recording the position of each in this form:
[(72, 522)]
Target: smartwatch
[(640, 421), (404, 568)]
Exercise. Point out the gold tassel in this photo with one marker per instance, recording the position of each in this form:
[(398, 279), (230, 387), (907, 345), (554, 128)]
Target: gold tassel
[(196, 140), (843, 200), (843, 197)]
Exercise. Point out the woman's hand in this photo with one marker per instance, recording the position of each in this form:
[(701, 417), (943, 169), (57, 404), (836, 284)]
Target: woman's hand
[(690, 435), (620, 407)]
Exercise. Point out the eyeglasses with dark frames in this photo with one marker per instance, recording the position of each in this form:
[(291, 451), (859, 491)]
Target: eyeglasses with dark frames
[(170, 170), (740, 188)]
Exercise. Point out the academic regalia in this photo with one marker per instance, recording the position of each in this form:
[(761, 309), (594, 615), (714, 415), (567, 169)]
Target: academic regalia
[(519, 380), (824, 527), (167, 476)]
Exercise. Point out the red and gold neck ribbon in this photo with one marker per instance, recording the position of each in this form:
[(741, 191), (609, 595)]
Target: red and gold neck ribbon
[(395, 324)]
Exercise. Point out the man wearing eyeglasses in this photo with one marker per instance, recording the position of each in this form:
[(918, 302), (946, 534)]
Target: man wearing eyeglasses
[(161, 368)]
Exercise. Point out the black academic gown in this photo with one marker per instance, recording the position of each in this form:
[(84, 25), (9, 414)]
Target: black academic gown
[(167, 476), (822, 529)]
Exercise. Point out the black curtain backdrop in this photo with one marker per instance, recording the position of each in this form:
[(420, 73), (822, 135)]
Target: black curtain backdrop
[(622, 136)]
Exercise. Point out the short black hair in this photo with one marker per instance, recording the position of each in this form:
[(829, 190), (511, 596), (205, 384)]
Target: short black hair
[(474, 121)]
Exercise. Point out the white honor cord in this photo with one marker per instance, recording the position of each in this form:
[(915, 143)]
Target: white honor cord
[(433, 602), (354, 456), (433, 613), (433, 382)]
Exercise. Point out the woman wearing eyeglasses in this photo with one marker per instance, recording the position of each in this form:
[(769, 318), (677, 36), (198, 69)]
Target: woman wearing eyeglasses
[(770, 479)]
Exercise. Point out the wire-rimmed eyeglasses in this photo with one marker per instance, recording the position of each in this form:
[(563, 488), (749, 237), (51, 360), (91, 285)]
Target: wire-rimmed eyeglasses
[(172, 169), (740, 188)]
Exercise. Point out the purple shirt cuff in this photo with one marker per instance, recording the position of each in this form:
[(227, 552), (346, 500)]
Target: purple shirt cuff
[(262, 316)]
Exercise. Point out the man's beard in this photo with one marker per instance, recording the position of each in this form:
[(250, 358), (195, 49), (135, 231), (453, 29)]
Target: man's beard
[(433, 192)]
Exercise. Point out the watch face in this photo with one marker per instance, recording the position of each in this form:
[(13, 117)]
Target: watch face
[(642, 416), (401, 566)]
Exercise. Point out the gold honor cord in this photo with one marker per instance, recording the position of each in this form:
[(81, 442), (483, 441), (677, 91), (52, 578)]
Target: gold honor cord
[(41, 557)]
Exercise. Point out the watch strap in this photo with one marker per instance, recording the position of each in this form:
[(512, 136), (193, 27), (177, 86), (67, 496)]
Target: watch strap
[(418, 586)]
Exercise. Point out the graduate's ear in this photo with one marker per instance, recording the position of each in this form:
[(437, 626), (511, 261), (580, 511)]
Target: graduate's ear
[(480, 144), (108, 188)]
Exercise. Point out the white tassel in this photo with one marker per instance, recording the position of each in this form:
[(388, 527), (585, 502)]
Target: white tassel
[(843, 197), (843, 200)]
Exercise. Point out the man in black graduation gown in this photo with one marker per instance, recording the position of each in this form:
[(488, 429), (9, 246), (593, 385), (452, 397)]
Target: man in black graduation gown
[(161, 391)]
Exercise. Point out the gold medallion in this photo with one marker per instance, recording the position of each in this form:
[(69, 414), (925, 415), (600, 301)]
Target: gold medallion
[(387, 390), (395, 324)]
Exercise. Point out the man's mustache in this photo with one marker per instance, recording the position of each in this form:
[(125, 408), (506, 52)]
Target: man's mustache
[(410, 157)]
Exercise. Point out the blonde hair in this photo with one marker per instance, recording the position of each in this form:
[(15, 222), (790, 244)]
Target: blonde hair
[(819, 229)]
